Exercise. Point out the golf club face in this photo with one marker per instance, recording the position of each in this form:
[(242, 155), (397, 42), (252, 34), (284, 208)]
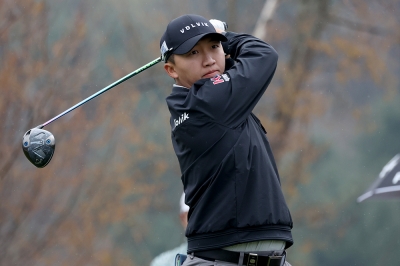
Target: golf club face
[(38, 146)]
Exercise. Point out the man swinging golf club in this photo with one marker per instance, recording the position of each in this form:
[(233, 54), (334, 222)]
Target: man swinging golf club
[(238, 214)]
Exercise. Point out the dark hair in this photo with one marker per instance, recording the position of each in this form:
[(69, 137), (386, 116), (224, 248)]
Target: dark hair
[(171, 59)]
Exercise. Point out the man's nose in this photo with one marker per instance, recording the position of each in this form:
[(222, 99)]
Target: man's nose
[(208, 59)]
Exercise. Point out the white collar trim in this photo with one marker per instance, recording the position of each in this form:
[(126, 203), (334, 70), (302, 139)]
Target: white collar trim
[(180, 86)]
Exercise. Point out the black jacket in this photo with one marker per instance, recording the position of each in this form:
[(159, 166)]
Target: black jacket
[(229, 174)]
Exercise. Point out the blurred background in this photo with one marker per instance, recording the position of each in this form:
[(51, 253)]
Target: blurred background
[(110, 194)]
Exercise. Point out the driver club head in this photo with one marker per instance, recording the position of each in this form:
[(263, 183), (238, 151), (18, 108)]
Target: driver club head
[(38, 146)]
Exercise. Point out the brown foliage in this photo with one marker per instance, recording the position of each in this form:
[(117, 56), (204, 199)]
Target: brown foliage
[(296, 103), (110, 159), (64, 213), (301, 98)]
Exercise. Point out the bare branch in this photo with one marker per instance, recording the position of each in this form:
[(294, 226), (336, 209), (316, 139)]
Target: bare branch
[(260, 30), (357, 26)]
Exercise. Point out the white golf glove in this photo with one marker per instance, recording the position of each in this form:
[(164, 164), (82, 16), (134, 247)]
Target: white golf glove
[(218, 24)]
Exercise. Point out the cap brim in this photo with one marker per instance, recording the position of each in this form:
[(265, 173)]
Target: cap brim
[(189, 44)]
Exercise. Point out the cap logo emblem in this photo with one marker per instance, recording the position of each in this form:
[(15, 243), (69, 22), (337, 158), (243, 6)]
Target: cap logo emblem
[(197, 24), (164, 48)]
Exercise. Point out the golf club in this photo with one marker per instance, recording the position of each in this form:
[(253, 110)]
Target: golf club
[(39, 144)]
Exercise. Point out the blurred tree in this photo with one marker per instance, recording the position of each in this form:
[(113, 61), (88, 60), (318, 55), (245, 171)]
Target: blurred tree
[(305, 96), (295, 104), (266, 14), (108, 196), (98, 181), (353, 234), (232, 18)]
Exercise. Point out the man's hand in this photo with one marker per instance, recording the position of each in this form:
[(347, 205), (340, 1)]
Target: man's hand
[(219, 25)]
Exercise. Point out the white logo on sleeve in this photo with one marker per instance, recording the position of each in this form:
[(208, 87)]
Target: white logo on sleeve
[(183, 117), (225, 77), (219, 79)]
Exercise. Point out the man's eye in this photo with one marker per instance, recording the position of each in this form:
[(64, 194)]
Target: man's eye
[(215, 46), (194, 52)]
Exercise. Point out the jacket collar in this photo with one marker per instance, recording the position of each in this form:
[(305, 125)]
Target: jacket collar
[(179, 88)]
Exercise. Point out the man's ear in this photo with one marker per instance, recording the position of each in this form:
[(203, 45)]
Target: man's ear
[(170, 69)]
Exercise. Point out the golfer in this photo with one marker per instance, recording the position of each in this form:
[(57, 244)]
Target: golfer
[(238, 214)]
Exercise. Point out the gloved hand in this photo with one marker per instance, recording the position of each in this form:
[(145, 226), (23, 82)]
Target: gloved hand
[(219, 25)]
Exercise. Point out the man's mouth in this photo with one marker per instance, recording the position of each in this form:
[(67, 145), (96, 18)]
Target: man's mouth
[(211, 74)]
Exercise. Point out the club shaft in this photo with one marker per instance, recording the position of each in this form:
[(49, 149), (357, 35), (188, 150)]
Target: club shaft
[(134, 73)]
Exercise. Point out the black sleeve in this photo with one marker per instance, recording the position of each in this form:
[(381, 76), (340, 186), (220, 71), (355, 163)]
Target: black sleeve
[(230, 98)]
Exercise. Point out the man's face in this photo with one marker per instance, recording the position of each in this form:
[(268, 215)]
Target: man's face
[(205, 60)]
